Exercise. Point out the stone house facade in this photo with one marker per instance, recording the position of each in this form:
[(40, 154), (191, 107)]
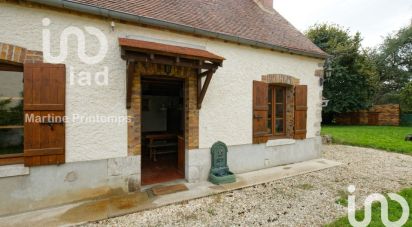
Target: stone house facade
[(243, 76)]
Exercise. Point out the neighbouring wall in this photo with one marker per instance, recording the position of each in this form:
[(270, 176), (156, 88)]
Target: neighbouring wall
[(388, 114)]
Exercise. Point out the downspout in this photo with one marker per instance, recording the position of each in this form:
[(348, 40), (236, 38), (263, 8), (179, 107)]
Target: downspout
[(95, 10)]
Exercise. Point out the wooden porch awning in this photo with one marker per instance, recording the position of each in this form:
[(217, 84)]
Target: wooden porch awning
[(169, 50), (205, 62)]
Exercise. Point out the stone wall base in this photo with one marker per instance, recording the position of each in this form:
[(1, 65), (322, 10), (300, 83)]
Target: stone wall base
[(251, 157), (48, 186)]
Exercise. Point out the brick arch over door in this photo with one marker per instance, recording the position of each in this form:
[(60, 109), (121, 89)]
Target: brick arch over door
[(19, 55), (289, 82)]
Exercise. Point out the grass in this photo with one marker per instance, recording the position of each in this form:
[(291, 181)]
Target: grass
[(390, 138), (343, 198), (395, 212), (305, 186)]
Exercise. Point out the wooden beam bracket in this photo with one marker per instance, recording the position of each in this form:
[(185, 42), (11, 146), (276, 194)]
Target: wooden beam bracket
[(201, 90)]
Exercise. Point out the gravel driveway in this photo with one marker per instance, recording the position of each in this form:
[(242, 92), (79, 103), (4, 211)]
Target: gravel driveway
[(306, 200)]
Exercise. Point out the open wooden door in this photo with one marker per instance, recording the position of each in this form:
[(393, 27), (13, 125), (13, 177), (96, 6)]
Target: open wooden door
[(181, 154)]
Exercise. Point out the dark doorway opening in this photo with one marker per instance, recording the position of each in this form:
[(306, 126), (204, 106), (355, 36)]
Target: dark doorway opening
[(163, 127)]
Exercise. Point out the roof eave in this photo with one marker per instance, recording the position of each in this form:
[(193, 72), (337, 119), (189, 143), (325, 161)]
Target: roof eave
[(67, 4)]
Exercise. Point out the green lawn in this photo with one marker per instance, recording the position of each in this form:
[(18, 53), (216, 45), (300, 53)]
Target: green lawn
[(395, 212), (388, 138)]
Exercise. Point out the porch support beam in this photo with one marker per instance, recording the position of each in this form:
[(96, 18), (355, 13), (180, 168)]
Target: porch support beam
[(202, 89), (129, 82)]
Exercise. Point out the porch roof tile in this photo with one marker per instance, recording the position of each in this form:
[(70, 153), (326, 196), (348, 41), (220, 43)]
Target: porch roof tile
[(154, 47)]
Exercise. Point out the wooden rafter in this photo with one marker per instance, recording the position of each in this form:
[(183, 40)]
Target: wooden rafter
[(202, 89), (169, 60)]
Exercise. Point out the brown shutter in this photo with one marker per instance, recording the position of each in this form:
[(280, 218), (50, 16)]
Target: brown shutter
[(44, 95), (301, 107), (260, 112)]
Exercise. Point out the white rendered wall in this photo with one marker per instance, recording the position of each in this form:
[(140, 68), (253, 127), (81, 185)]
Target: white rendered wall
[(226, 113)]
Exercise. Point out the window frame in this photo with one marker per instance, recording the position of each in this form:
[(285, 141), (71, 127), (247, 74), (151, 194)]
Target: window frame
[(273, 134), (18, 158)]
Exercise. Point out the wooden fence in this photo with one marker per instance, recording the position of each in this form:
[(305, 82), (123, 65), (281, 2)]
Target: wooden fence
[(388, 114)]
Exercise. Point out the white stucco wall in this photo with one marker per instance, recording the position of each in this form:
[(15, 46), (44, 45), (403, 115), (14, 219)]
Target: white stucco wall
[(226, 112)]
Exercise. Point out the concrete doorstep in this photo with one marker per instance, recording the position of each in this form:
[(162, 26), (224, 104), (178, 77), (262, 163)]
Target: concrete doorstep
[(93, 210)]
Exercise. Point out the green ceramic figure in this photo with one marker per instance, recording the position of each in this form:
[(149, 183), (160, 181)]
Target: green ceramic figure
[(219, 173)]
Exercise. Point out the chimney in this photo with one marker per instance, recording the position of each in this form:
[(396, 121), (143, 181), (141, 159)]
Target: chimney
[(268, 4)]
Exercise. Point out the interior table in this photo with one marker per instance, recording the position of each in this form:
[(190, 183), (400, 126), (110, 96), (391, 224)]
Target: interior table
[(160, 140)]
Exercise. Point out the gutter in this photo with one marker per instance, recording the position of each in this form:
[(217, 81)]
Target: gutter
[(95, 10)]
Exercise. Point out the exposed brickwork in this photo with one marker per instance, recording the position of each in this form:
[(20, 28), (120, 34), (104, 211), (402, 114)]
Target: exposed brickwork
[(290, 111), (19, 55), (268, 4), (191, 111), (318, 108), (34, 57), (319, 73), (280, 79)]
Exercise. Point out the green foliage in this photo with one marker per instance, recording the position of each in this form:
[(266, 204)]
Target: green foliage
[(354, 75), (395, 212), (343, 198), (406, 98), (362, 77), (388, 138), (394, 63), (11, 115)]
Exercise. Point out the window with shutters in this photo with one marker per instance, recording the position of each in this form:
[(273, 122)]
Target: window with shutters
[(28, 141), (11, 114), (279, 111)]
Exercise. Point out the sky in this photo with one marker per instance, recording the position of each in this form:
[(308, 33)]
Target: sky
[(374, 19)]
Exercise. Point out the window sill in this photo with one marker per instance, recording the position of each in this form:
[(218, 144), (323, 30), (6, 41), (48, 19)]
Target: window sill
[(14, 170), (11, 159), (279, 142)]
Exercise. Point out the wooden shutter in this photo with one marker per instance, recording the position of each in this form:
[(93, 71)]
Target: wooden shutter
[(301, 108), (44, 95), (260, 112)]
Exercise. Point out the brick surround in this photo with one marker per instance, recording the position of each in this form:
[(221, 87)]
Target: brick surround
[(19, 55), (280, 79), (290, 112), (191, 111)]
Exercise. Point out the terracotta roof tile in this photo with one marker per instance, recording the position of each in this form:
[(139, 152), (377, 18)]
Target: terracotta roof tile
[(240, 18)]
